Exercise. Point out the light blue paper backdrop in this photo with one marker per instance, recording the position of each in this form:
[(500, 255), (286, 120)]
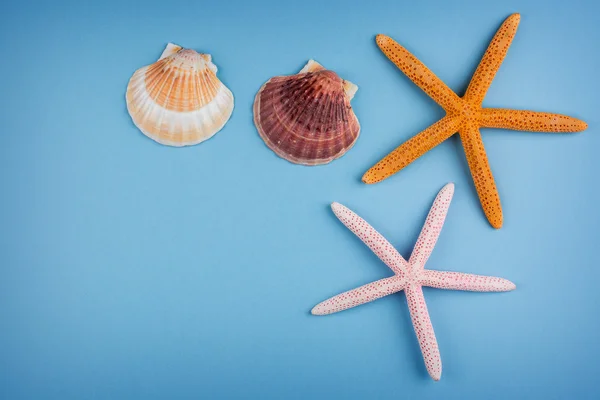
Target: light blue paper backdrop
[(130, 270)]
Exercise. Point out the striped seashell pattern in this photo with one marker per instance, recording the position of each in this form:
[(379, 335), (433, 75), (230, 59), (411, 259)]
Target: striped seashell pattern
[(178, 100), (307, 118)]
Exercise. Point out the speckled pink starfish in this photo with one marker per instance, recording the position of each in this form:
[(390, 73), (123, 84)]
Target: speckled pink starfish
[(410, 276)]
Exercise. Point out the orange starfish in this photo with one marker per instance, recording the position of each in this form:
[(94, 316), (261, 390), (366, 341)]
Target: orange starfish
[(465, 115)]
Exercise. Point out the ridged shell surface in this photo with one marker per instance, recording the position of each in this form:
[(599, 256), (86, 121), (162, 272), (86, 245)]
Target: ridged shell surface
[(178, 100), (307, 118)]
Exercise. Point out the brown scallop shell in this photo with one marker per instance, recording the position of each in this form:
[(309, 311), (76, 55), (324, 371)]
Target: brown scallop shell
[(307, 118)]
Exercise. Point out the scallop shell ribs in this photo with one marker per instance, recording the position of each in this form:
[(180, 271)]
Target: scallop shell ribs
[(307, 118), (178, 100)]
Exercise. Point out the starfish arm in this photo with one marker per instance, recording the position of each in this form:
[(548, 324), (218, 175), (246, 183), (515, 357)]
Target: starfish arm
[(373, 239), (364, 294), (482, 174), (417, 72), (431, 229), (531, 121), (461, 281), (424, 330), (412, 149), (491, 61)]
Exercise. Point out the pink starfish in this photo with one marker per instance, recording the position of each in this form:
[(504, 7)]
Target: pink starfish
[(410, 276)]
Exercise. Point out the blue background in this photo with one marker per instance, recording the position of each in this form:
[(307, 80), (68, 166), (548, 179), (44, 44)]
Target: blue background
[(133, 270)]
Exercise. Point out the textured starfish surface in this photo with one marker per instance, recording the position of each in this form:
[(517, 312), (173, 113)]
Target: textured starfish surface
[(465, 115), (410, 275)]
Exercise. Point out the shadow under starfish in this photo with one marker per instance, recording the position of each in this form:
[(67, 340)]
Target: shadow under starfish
[(465, 115)]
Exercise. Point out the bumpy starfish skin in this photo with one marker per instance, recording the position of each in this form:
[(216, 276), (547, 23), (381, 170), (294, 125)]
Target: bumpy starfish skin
[(410, 276), (465, 116)]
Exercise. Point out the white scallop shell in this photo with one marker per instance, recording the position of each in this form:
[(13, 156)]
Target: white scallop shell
[(178, 100)]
